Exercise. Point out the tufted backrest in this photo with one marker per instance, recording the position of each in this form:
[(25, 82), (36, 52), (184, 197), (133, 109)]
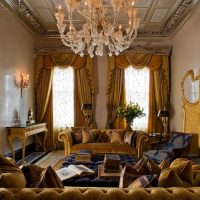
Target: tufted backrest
[(101, 194)]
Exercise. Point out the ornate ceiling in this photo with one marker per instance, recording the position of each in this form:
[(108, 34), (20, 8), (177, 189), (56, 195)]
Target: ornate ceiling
[(159, 18)]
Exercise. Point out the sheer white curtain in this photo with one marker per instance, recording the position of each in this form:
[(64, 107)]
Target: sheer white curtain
[(137, 90), (63, 97)]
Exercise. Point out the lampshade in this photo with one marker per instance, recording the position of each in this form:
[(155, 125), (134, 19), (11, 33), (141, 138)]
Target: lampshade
[(86, 106), (164, 113)]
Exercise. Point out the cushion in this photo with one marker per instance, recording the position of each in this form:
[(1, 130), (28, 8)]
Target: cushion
[(76, 135), (128, 137), (132, 172), (128, 175), (140, 166), (152, 167), (184, 169), (49, 179), (117, 137), (143, 181), (163, 165), (159, 155), (10, 175), (87, 136), (196, 181), (32, 174), (105, 148), (169, 178)]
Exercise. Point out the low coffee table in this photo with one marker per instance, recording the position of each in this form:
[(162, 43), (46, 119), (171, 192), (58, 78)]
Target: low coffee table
[(93, 180)]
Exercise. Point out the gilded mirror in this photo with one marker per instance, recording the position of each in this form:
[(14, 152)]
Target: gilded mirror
[(190, 87)]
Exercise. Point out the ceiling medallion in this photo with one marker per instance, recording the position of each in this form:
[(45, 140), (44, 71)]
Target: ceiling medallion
[(101, 26)]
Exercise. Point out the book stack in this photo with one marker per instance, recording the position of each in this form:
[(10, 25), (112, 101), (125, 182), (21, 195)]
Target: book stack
[(111, 163), (84, 155)]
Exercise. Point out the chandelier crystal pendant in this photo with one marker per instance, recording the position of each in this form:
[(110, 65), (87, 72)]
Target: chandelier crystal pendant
[(101, 26)]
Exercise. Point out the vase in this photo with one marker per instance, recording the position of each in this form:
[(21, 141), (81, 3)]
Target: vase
[(128, 127)]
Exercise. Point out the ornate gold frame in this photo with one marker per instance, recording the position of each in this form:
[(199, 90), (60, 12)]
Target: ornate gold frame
[(191, 113)]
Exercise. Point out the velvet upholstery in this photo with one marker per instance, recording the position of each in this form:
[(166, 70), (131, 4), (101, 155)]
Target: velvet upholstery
[(178, 145), (102, 143), (98, 148), (101, 194)]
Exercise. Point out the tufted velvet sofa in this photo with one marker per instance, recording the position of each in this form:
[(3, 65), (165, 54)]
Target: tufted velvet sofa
[(136, 147), (101, 194)]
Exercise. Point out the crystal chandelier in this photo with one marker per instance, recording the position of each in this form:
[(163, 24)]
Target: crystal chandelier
[(100, 28)]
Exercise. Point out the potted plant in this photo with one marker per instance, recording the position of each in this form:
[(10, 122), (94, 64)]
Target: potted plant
[(130, 111)]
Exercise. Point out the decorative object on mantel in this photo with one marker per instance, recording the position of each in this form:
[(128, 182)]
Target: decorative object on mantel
[(100, 27), (164, 114), (87, 111), (130, 111), (21, 81), (30, 120)]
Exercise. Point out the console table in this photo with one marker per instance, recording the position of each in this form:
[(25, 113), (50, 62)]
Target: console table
[(22, 132)]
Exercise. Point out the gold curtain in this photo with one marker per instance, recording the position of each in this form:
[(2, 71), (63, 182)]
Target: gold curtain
[(43, 85), (114, 94), (159, 84)]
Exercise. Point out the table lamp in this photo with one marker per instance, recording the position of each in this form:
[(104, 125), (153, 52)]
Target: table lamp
[(164, 115), (87, 111)]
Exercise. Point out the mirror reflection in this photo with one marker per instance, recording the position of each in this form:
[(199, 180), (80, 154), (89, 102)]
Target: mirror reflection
[(191, 90)]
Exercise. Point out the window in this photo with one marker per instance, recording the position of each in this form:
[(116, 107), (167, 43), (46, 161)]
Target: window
[(137, 90), (63, 97)]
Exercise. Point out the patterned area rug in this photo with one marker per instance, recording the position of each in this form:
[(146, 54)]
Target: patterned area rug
[(53, 159)]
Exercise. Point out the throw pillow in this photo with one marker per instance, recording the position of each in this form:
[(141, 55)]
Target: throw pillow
[(152, 167), (128, 175), (32, 174), (196, 181), (128, 137), (76, 135), (11, 176), (140, 166), (169, 178), (116, 137), (184, 169), (87, 136), (49, 179), (143, 181), (163, 165)]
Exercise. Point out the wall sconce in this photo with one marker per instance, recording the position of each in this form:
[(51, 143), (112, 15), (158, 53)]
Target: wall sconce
[(21, 81)]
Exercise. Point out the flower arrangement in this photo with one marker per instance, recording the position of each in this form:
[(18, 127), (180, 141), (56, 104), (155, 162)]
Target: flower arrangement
[(130, 111)]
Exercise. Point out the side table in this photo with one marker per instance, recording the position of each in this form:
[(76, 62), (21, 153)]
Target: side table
[(157, 138), (22, 132)]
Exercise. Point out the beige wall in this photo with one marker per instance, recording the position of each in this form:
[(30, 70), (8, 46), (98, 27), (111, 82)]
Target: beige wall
[(185, 56), (16, 55)]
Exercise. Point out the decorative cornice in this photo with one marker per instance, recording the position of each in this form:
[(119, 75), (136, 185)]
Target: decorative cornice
[(27, 16), (52, 50), (177, 15), (156, 50), (20, 9)]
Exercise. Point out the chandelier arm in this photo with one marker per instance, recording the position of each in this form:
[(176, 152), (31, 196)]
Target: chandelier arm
[(99, 29)]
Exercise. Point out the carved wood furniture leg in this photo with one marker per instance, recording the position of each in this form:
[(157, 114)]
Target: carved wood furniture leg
[(10, 141), (36, 143), (45, 138), (23, 140)]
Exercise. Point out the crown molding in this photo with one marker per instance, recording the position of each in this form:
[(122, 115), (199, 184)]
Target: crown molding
[(22, 11)]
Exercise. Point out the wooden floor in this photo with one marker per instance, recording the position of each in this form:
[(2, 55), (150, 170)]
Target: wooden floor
[(53, 159)]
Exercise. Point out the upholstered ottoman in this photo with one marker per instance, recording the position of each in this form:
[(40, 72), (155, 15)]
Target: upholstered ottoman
[(93, 180)]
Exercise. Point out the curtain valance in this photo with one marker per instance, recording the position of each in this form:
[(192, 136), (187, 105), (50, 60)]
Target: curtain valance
[(64, 60), (137, 60)]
